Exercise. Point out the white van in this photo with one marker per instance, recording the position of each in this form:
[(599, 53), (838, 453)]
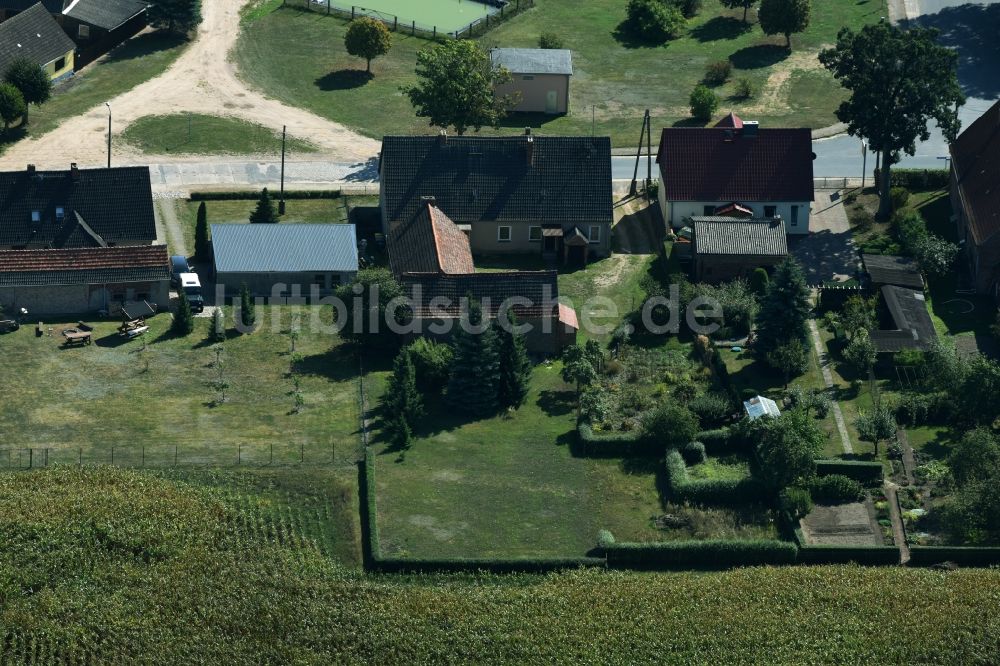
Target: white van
[(191, 286)]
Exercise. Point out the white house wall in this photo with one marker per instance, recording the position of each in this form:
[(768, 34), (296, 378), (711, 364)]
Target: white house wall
[(677, 211)]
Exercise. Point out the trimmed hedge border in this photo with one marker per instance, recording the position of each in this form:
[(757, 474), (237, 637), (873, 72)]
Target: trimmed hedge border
[(615, 445), (859, 470), (253, 195), (714, 554), (969, 556), (864, 555), (918, 179), (710, 491)]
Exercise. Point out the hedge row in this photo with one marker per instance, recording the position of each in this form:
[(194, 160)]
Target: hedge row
[(369, 517), (917, 179), (245, 195), (710, 491), (924, 556), (859, 470), (614, 445), (713, 554), (868, 555), (722, 441)]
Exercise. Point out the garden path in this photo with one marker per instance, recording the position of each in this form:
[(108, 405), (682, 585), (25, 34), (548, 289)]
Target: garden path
[(824, 366)]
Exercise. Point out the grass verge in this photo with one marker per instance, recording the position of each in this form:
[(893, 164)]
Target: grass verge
[(200, 134)]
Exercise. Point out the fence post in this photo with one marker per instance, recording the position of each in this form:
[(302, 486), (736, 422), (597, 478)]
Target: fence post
[(31, 457), (271, 460), (175, 455), (302, 452), (81, 456), (239, 454), (413, 28), (352, 12), (327, 7), (395, 23), (143, 463), (112, 455)]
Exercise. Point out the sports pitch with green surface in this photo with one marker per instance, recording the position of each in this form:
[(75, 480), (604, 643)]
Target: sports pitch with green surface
[(445, 15)]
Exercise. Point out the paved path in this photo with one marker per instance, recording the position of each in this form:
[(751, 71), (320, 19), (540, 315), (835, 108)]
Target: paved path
[(257, 174), (824, 366), (909, 462), (898, 533), (828, 252)]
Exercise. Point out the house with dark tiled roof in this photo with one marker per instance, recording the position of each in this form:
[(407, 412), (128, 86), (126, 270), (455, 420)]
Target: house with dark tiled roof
[(76, 208), (35, 35), (517, 195), (725, 248), (539, 78), (83, 279), (736, 167), (975, 198), (432, 258)]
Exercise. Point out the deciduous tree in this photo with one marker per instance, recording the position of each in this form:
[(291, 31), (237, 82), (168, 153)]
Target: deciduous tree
[(33, 82), (180, 16), (860, 352), (790, 358), (787, 446), (12, 104), (736, 4), (367, 38), (456, 87), (369, 306), (703, 102), (670, 424), (876, 425), (784, 17), (578, 367), (899, 81)]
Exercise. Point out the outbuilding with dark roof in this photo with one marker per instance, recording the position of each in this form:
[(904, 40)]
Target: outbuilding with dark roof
[(540, 78), (904, 322), (737, 163), (886, 269), (35, 35), (83, 279), (727, 248), (76, 208), (507, 189)]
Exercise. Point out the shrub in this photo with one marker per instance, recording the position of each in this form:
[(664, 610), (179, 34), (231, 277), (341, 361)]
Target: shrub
[(605, 539), (654, 20), (710, 408), (719, 442), (709, 554), (685, 392), (550, 40), (744, 89), (917, 180), (693, 453), (718, 72), (899, 197), (670, 425), (835, 489), (703, 103), (796, 501), (595, 404), (689, 8), (432, 363), (859, 470), (709, 491)]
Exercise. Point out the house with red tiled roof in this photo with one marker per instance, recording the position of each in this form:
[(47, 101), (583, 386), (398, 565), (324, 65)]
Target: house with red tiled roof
[(431, 256), (736, 169), (83, 279), (975, 197)]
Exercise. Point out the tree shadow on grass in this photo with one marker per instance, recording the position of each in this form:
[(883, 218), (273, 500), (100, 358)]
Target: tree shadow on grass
[(557, 403), (759, 56), (720, 27), (146, 44), (343, 79), (688, 122)]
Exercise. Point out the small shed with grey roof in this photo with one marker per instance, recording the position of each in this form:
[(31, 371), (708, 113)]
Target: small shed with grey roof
[(889, 269), (727, 248), (540, 78), (904, 321), (284, 260)]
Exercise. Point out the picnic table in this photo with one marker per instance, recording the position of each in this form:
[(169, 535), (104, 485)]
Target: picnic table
[(74, 336), (131, 325)]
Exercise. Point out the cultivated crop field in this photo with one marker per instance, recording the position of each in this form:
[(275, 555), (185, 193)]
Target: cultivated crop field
[(110, 565)]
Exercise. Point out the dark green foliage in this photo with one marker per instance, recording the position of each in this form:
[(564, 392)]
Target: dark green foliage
[(654, 20), (835, 489), (684, 392), (202, 252), (928, 556), (899, 81), (613, 445), (688, 8), (720, 441), (759, 281), (876, 425), (730, 492), (402, 405), (432, 363), (898, 196), (248, 313), (248, 195), (976, 457), (456, 87), (218, 332), (738, 302), (858, 314), (972, 513), (934, 254), (863, 555), (737, 4), (784, 17), (670, 425), (693, 453), (784, 310), (12, 104), (181, 16), (718, 72), (867, 473), (787, 447), (183, 322), (265, 212), (713, 554), (515, 366), (578, 367), (366, 316), (550, 40), (860, 352), (703, 103), (367, 38), (475, 367), (33, 82), (796, 501), (790, 358), (595, 404), (710, 408), (918, 180)]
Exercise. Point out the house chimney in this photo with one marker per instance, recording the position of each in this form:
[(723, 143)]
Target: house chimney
[(429, 200), (73, 171), (527, 131), (750, 129), (530, 151), (442, 137), (31, 169)]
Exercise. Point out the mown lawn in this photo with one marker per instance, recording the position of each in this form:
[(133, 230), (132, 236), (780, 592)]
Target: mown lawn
[(200, 134), (137, 60), (154, 393), (298, 57)]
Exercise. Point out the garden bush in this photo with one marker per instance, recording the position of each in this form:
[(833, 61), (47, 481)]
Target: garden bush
[(431, 363), (864, 472), (795, 501), (925, 556), (693, 453), (704, 103), (835, 489), (709, 491), (718, 72), (711, 554), (917, 180), (550, 40), (710, 408), (605, 539), (899, 196), (654, 20), (689, 8), (744, 89), (863, 555), (719, 441)]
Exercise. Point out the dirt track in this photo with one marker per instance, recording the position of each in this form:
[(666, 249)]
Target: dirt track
[(201, 80)]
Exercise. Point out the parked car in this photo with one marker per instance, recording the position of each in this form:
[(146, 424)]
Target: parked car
[(178, 265), (192, 289)]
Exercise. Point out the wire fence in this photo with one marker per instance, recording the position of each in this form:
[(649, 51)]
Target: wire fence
[(498, 11)]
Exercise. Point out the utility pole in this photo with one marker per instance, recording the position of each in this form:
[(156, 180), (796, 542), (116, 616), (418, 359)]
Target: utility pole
[(649, 153), (864, 162), (281, 201), (632, 189), (108, 104)]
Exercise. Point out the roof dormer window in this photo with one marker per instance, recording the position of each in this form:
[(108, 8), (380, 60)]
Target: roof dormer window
[(36, 216), (60, 213)]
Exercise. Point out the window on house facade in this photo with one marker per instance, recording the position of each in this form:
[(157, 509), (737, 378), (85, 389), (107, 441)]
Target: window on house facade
[(60, 213), (595, 234), (503, 234), (60, 63), (770, 211), (83, 31), (36, 216), (534, 234), (795, 216)]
